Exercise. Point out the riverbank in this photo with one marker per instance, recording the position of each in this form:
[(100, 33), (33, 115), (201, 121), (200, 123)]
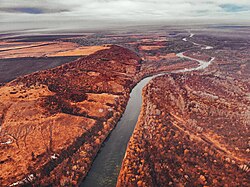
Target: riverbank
[(54, 100), (53, 122), (106, 166), (104, 171), (177, 141), (135, 154), (192, 130)]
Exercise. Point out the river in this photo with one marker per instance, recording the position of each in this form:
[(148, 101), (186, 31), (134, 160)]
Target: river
[(106, 166)]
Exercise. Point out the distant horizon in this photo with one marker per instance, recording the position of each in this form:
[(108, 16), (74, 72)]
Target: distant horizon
[(74, 26), (105, 14)]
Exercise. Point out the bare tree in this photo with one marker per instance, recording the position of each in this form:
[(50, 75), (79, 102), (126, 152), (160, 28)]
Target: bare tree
[(49, 129), (51, 135), (27, 130), (15, 133), (42, 127)]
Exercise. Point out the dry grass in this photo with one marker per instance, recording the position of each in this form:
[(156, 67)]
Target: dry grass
[(37, 49), (79, 51), (40, 49), (30, 133), (161, 57), (148, 48)]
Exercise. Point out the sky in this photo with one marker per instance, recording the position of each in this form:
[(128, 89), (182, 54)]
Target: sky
[(60, 12)]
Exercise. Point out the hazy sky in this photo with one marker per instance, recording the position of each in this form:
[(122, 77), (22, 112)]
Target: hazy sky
[(122, 10)]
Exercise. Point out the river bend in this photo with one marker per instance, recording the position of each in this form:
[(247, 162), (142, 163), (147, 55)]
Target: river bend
[(106, 166)]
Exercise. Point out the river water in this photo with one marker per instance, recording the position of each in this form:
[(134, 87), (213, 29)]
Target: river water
[(106, 166)]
